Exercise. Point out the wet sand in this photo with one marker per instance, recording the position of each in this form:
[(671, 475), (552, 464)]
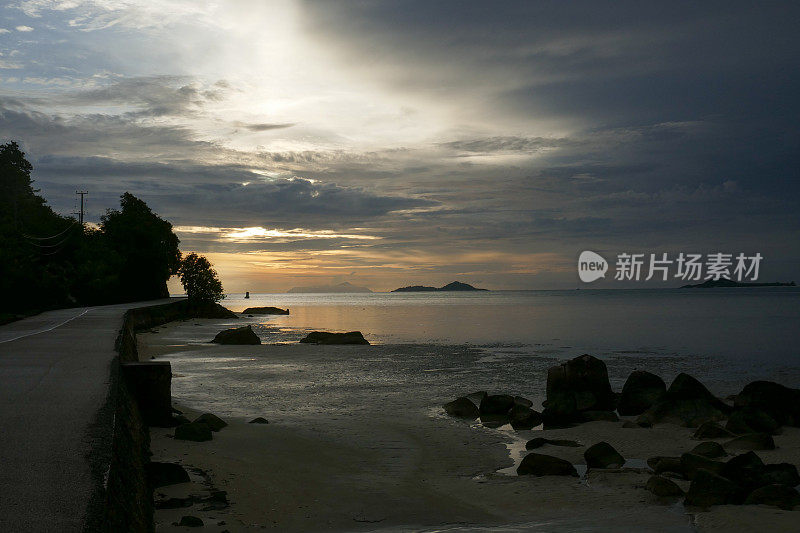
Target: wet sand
[(376, 461)]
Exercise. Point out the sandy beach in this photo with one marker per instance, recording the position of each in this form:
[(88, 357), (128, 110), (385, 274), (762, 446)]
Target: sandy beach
[(370, 458)]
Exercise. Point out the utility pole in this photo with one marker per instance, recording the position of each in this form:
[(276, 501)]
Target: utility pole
[(82, 193)]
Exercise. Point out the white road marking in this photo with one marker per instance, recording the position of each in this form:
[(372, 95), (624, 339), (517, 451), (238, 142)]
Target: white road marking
[(48, 329)]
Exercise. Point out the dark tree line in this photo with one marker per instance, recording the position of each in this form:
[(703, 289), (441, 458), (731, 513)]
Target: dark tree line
[(48, 260)]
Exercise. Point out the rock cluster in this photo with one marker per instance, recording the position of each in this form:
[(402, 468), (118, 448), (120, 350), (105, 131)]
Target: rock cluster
[(495, 410)]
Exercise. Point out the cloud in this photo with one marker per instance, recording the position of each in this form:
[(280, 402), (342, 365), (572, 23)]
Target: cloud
[(24, 28), (261, 126)]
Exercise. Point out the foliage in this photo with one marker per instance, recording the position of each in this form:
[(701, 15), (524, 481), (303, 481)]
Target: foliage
[(200, 280)]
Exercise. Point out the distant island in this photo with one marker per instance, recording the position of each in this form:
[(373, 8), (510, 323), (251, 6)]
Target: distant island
[(725, 283), (454, 286), (341, 287)]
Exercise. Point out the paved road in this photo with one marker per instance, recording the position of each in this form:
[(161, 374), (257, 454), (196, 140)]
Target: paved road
[(55, 426)]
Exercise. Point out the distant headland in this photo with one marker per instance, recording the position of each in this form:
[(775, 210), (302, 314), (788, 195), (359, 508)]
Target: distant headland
[(341, 287), (454, 286), (725, 283)]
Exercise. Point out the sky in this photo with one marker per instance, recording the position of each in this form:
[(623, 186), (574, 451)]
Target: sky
[(397, 143)]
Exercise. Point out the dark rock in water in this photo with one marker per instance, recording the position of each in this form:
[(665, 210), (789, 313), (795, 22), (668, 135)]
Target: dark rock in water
[(163, 474), (779, 402), (780, 496), (536, 464), (174, 503), (666, 464), (243, 335), (687, 403), (751, 420), (603, 455), (663, 487), (712, 430), (538, 442), (462, 408), (214, 422), (266, 311), (494, 421), (709, 489), (692, 463), (477, 397), (259, 420), (641, 390), (519, 400), (709, 449), (580, 384), (599, 416), (524, 417), (190, 521), (752, 441), (324, 337), (194, 432), (496, 404)]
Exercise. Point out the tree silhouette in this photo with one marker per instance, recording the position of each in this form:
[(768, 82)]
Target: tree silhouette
[(200, 280)]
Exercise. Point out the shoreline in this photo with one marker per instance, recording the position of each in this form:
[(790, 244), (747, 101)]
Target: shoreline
[(402, 466)]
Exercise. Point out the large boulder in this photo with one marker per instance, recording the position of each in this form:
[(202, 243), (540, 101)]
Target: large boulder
[(265, 311), (537, 464), (692, 463), (524, 417), (496, 404), (163, 474), (709, 489), (712, 430), (580, 384), (752, 441), (213, 422), (603, 455), (193, 432), (641, 390), (779, 402), (663, 487), (775, 495), (709, 449), (325, 337), (462, 408), (243, 335), (751, 420), (686, 403)]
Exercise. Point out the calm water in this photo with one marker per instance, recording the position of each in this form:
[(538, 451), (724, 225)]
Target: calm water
[(753, 324)]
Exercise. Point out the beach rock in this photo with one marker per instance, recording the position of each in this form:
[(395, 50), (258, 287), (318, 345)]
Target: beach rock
[(603, 455), (538, 442), (536, 464), (325, 337), (781, 474), (692, 463), (259, 420), (709, 449), (779, 402), (709, 489), (214, 422), (751, 420), (712, 430), (163, 474), (752, 441), (580, 384), (641, 390), (780, 496), (524, 417), (462, 408), (666, 464), (686, 403), (266, 311), (477, 397), (243, 335), (193, 432), (745, 470), (519, 400), (496, 404), (663, 487), (190, 521), (599, 416)]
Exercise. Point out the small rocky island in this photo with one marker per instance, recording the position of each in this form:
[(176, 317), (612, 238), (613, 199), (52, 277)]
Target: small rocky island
[(454, 286), (726, 283)]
